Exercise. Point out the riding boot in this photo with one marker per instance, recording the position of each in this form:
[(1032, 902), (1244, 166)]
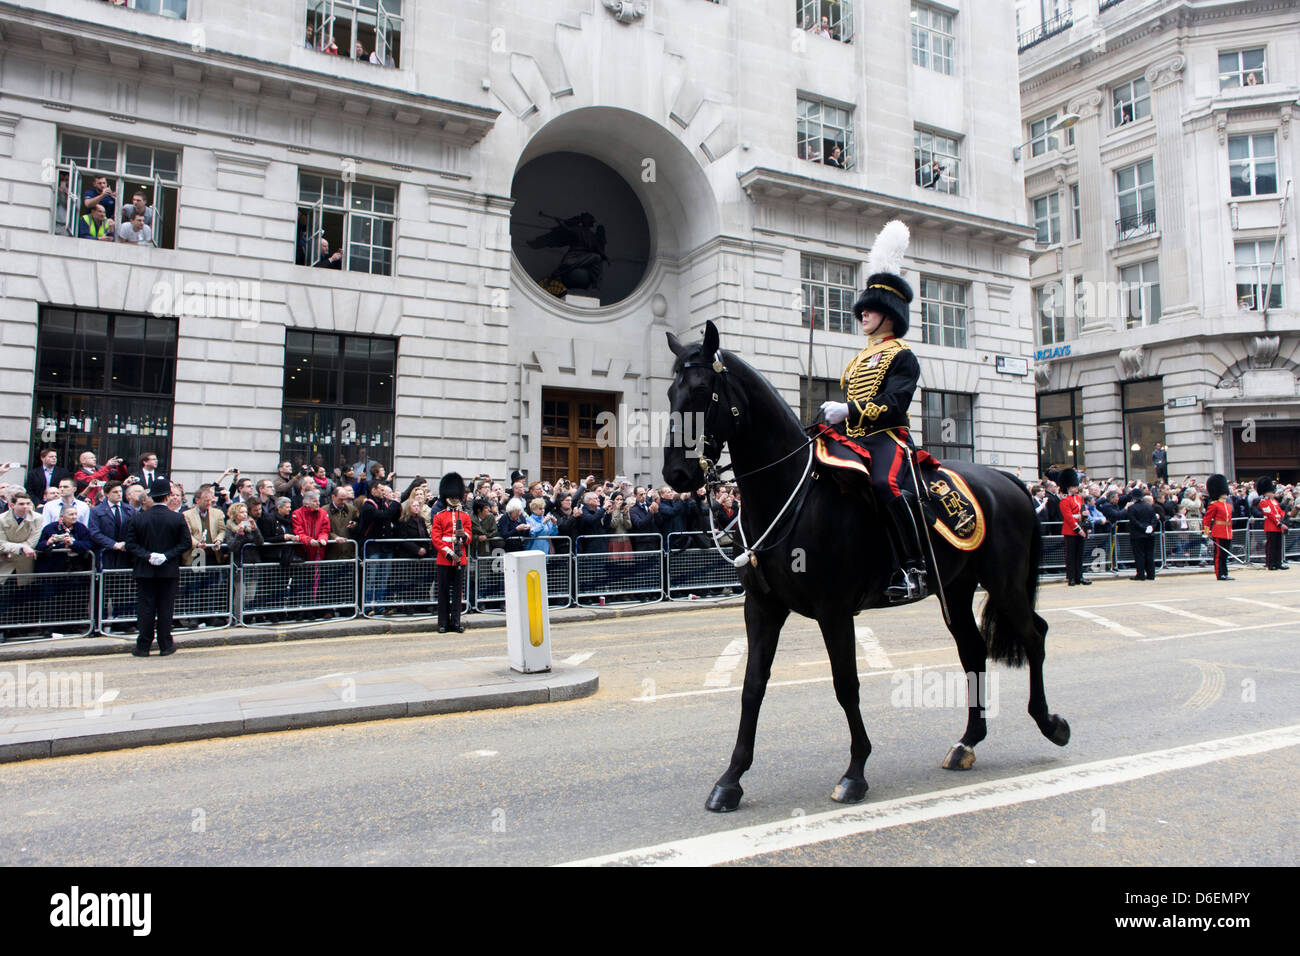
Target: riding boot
[(909, 581)]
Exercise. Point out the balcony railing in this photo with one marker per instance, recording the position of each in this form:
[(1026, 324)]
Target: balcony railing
[(1048, 28), (1139, 224)]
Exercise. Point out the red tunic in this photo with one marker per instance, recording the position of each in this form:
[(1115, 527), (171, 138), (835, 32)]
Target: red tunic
[(1217, 519), (443, 534), (1273, 515), (1071, 506)]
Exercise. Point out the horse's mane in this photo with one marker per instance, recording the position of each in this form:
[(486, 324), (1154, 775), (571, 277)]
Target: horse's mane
[(757, 386)]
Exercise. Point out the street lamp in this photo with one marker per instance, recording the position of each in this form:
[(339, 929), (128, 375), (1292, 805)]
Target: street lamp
[(1063, 122)]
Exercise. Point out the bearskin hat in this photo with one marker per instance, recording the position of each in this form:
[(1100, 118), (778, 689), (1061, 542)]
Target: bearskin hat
[(1265, 484), (1216, 486), (451, 486), (1069, 478), (887, 292)]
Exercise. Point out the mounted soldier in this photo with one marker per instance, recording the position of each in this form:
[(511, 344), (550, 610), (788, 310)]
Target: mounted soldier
[(878, 384)]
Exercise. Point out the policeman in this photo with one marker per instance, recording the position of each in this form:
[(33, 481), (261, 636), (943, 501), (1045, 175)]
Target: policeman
[(156, 538), (878, 384)]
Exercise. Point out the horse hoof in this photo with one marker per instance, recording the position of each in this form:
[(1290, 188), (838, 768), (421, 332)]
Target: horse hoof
[(724, 799), (849, 790), (960, 757), (1057, 731)]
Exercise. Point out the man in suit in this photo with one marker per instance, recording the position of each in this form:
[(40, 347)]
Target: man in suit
[(207, 528), (156, 539), (108, 521), (47, 474), (1160, 462), (149, 469), (1144, 525)]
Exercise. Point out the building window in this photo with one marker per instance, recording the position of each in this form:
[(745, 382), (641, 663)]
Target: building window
[(1040, 140), (948, 424), (1049, 304), (1144, 425), (1140, 286), (1047, 219), (1135, 189), (937, 161), (1060, 430), (932, 39), (1130, 102), (1254, 267), (330, 209), (828, 288), (369, 31), (570, 445), (1074, 210), (1241, 68), (825, 133), (338, 400), (105, 382), (811, 397), (109, 174), (832, 19), (943, 313), (1252, 165), (174, 9)]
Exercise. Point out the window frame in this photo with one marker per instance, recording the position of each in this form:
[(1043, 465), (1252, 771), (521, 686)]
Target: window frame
[(1261, 267), (802, 136), (1045, 142), (1133, 101), (1074, 416), (928, 30), (1044, 320), (841, 21), (1126, 414), (924, 141), (1139, 189), (1051, 218), (1147, 289), (1251, 162), (810, 285), (324, 13), (169, 189), (950, 451), (937, 332), (1236, 79), (1076, 217), (348, 213)]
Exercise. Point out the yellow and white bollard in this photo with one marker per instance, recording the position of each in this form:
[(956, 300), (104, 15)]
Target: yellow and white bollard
[(528, 616)]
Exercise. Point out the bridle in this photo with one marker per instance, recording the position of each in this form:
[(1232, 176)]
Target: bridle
[(720, 400)]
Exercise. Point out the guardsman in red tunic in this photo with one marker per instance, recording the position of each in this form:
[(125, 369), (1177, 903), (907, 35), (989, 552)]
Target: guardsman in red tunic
[(1217, 523), (878, 384), (1274, 525), (1072, 527), (452, 531)]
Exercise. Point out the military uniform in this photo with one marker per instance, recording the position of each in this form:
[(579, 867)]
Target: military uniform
[(1072, 529), (452, 555), (1217, 523), (1274, 525)]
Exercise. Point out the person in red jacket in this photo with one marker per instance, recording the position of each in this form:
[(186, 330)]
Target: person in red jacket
[(451, 531), (1217, 523), (1072, 512), (90, 480), (312, 526), (1274, 525)]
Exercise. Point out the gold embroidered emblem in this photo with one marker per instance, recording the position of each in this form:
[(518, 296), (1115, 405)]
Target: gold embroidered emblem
[(862, 380)]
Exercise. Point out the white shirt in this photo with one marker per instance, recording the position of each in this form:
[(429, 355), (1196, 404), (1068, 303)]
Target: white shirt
[(125, 233), (54, 510)]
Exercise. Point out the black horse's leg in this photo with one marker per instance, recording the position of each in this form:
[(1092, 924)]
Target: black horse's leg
[(841, 646), (974, 661), (1053, 726), (763, 624)]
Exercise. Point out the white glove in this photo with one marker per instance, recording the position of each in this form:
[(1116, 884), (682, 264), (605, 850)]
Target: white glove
[(156, 559), (834, 412)]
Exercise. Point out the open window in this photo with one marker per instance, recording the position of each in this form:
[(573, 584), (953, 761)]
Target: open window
[(369, 31), (127, 169)]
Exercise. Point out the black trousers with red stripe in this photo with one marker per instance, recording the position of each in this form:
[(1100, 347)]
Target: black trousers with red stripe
[(1220, 557), (891, 474)]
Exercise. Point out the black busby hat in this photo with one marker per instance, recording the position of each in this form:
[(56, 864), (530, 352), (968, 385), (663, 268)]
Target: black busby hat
[(159, 489), (1265, 484), (451, 486), (887, 292), (1216, 486), (1069, 478)]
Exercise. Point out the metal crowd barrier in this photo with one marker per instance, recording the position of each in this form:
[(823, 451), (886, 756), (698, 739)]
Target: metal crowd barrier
[(204, 595), (294, 592), (490, 575), (399, 584), (603, 570), (698, 573), (36, 606)]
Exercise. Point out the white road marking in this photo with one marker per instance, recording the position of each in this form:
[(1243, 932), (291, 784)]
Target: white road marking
[(1275, 607), (573, 660), (1213, 681), (729, 845), (786, 683), (480, 753), (1222, 630), (727, 662), (871, 649), (1165, 608), (1104, 622), (925, 650)]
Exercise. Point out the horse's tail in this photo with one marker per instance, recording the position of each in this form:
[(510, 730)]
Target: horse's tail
[(1012, 633)]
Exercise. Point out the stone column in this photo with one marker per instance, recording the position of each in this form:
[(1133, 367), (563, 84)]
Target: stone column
[(1092, 205), (1103, 429), (1165, 79)]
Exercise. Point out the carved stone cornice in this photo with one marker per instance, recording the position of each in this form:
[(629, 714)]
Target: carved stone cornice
[(627, 11), (1167, 71), (1262, 350), (1087, 105)]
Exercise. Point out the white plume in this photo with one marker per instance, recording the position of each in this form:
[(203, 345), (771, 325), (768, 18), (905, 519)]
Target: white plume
[(887, 251)]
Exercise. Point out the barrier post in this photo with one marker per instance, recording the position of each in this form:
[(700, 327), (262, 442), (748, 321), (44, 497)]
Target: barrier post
[(528, 617)]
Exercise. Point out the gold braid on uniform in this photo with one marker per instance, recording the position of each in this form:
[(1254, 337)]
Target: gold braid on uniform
[(864, 381)]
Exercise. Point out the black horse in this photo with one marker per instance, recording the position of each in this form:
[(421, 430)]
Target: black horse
[(846, 559)]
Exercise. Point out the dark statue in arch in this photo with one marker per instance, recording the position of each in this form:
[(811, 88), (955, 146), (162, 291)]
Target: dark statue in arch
[(585, 258)]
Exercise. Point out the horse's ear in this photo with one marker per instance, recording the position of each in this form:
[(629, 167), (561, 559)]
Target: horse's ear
[(710, 340), (675, 344)]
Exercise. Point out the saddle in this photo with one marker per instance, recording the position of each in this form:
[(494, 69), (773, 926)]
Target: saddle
[(951, 509)]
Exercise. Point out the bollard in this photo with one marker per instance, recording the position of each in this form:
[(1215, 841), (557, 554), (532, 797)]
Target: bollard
[(528, 616)]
